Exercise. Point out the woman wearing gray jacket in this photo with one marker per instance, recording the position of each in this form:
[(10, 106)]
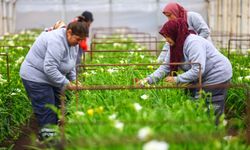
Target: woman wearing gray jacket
[(195, 23), (48, 68), (186, 47)]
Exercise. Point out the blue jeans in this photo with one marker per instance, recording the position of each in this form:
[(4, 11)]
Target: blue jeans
[(40, 95)]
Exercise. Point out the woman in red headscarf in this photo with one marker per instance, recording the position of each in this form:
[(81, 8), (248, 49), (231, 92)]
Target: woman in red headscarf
[(195, 22), (186, 47)]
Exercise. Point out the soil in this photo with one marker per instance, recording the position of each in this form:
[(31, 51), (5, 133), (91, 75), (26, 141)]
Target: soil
[(25, 140)]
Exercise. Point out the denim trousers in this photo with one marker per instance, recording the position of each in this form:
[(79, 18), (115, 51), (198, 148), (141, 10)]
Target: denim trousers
[(42, 94)]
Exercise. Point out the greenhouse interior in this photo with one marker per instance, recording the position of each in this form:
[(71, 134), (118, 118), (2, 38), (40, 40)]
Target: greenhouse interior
[(125, 74)]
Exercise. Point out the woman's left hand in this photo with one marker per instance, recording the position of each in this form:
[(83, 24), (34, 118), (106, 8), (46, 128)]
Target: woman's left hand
[(170, 79)]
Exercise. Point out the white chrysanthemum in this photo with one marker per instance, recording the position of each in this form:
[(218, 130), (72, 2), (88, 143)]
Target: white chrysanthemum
[(79, 113), (224, 122), (112, 70), (240, 78), (116, 44), (93, 72), (13, 94), (243, 68), (19, 48), (119, 125), (155, 145), (112, 117), (144, 97), (139, 48), (15, 36), (131, 53), (227, 138), (137, 106), (2, 80), (1, 37), (142, 56), (18, 90), (247, 77), (22, 32), (11, 43), (144, 133), (122, 61)]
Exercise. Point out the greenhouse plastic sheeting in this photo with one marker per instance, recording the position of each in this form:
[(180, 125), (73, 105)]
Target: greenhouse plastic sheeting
[(145, 15)]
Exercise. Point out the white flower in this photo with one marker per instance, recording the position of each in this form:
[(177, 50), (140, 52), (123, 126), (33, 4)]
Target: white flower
[(240, 78), (15, 36), (243, 68), (137, 106), (224, 122), (11, 43), (112, 70), (142, 56), (119, 125), (131, 53), (101, 56), (116, 44), (19, 48), (156, 145), (2, 80), (1, 37), (139, 48), (144, 133), (112, 117), (144, 97), (247, 77), (13, 94), (227, 138), (79, 113), (121, 61), (18, 90), (22, 32), (93, 72)]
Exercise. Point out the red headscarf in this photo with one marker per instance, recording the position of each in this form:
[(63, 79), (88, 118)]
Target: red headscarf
[(177, 30), (176, 9)]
